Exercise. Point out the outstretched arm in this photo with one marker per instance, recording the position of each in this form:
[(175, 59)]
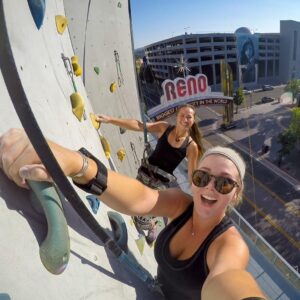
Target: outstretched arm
[(132, 124), (19, 161)]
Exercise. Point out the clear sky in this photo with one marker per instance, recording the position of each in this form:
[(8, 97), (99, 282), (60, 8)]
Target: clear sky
[(155, 20)]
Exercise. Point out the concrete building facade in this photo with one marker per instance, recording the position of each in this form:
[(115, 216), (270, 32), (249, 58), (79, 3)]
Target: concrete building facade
[(275, 58)]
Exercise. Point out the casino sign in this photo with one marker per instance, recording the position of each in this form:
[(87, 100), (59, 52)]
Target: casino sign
[(192, 90)]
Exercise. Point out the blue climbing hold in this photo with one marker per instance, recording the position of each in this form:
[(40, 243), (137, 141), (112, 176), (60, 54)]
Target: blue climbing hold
[(37, 8), (94, 203)]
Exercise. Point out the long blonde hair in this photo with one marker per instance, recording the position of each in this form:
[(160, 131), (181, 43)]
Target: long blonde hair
[(195, 132)]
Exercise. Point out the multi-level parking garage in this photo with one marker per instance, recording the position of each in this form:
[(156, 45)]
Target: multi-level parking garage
[(273, 56)]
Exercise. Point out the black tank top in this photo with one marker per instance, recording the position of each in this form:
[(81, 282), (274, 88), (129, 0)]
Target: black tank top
[(183, 279), (165, 156)]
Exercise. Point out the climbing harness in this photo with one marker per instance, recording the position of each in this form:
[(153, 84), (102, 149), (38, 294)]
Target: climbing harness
[(17, 94), (119, 70)]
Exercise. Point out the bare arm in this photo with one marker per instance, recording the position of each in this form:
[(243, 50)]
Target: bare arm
[(232, 285), (132, 124), (19, 161)]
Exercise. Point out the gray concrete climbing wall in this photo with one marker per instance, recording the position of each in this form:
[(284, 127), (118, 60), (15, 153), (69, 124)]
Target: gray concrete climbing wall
[(101, 37), (97, 28)]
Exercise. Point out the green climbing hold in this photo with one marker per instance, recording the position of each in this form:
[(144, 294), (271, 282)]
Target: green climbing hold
[(97, 70)]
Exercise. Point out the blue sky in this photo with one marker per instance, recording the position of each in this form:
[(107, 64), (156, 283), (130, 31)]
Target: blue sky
[(155, 20)]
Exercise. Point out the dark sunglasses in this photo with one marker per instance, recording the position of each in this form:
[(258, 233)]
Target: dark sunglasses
[(223, 185)]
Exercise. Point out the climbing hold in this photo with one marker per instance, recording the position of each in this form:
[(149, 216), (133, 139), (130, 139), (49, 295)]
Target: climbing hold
[(122, 130), (119, 4), (119, 229), (113, 87), (55, 249), (97, 70), (140, 242), (121, 154), (94, 203), (74, 59), (61, 23), (77, 105), (76, 67), (37, 9), (106, 146), (95, 123)]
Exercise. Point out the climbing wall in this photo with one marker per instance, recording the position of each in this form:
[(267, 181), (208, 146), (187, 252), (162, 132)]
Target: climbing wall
[(101, 37), (63, 104)]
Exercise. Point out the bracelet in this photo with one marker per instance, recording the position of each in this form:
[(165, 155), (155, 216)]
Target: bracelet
[(85, 165), (98, 184)]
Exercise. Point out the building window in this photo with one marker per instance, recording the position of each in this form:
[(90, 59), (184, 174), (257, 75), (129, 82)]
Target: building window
[(295, 44), (231, 56), (205, 49), (270, 68), (261, 68), (217, 57), (230, 39), (208, 71), (262, 40), (218, 48), (218, 39), (193, 50), (190, 41), (206, 58), (193, 59), (231, 48), (204, 40)]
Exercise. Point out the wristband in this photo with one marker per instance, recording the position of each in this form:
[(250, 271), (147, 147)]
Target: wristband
[(98, 184), (85, 164)]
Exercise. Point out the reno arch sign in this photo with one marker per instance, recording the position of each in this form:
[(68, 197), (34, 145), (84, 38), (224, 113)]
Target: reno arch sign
[(182, 88), (192, 89)]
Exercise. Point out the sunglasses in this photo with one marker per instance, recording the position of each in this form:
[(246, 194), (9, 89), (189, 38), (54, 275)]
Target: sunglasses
[(222, 184)]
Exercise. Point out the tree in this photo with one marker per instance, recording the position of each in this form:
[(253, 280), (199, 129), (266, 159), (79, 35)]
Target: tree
[(295, 122), (293, 86), (287, 139), (238, 98)]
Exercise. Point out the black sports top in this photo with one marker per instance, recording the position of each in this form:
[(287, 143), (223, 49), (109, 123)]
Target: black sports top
[(165, 156), (183, 279)]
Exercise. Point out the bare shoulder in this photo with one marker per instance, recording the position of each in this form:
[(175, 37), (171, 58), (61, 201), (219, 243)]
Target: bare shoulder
[(175, 202)]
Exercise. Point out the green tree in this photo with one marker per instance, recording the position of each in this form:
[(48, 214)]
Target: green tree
[(293, 86), (295, 122), (238, 98), (287, 139)]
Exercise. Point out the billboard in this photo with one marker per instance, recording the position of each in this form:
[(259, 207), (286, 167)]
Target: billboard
[(247, 49)]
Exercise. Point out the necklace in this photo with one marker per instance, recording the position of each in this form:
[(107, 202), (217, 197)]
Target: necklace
[(177, 138)]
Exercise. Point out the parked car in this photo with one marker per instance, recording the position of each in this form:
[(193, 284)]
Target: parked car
[(267, 87), (267, 99), (247, 92)]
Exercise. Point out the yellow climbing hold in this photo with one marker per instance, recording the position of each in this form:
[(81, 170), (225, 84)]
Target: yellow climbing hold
[(140, 242), (76, 67), (61, 23), (121, 154), (77, 105), (74, 59), (106, 146), (95, 123), (113, 87)]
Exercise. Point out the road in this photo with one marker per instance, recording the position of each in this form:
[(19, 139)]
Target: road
[(271, 202)]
